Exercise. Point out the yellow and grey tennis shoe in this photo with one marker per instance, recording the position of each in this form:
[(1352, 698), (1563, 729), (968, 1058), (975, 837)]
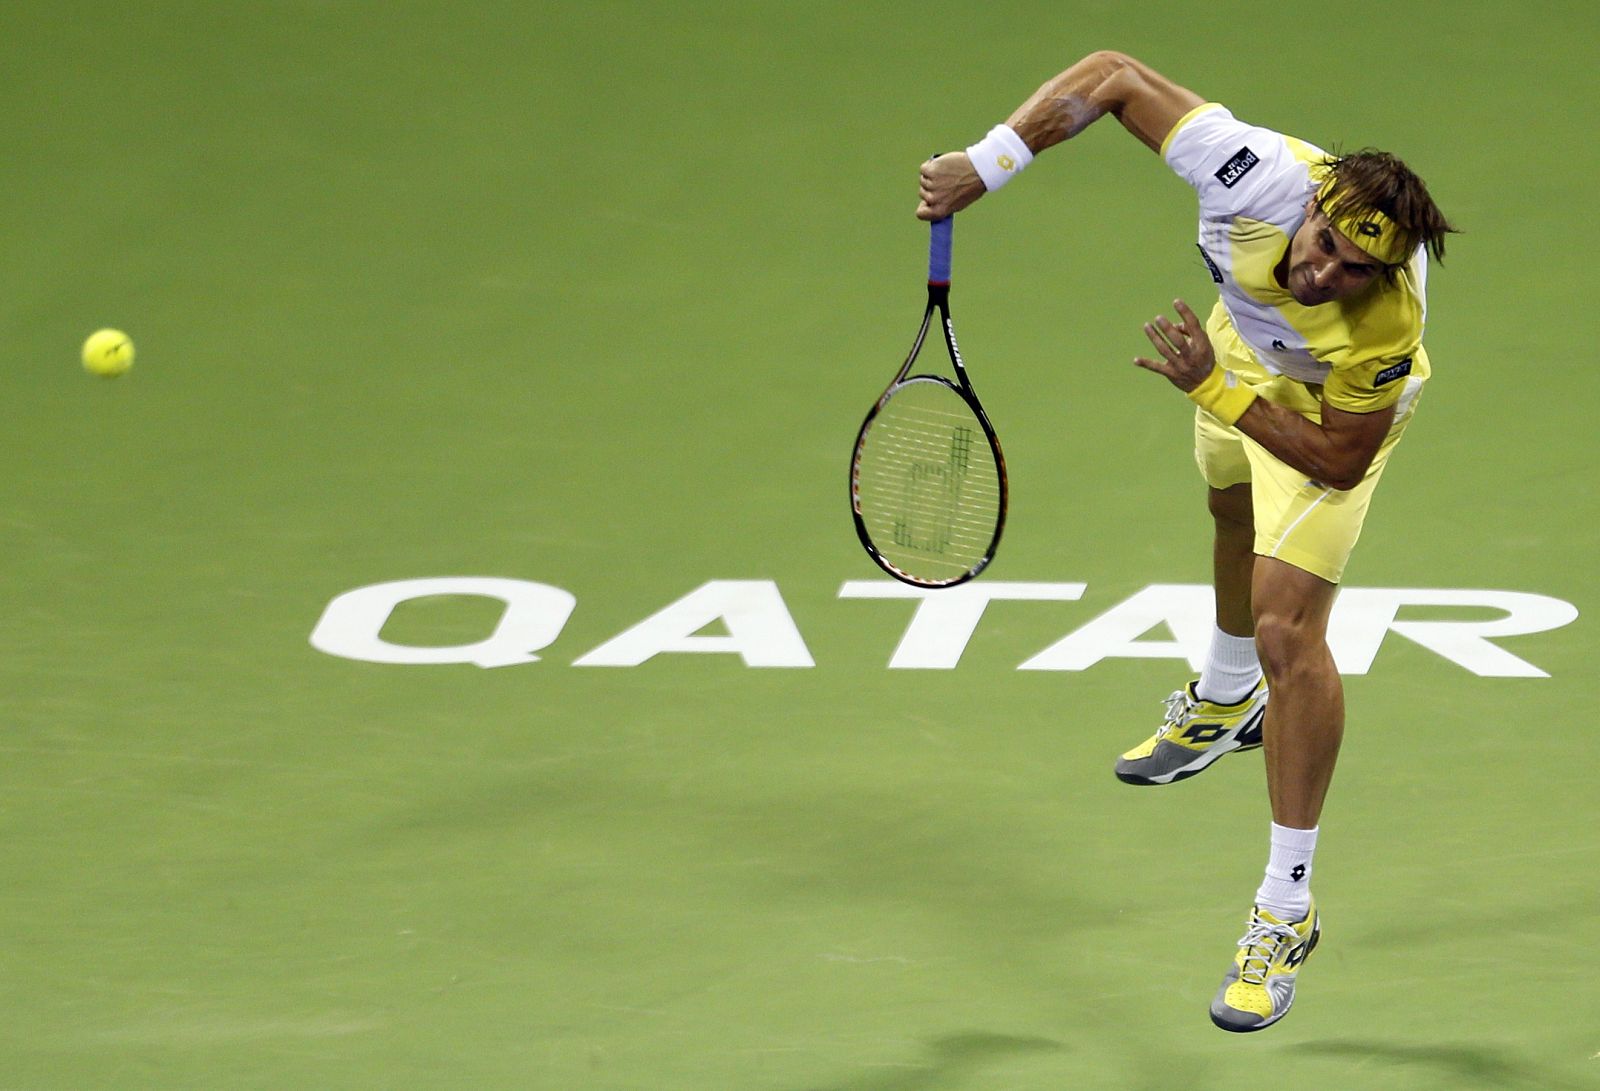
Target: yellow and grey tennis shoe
[(1195, 734), (1259, 986)]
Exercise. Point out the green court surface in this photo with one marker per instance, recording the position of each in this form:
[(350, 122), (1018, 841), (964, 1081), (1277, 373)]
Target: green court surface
[(589, 299)]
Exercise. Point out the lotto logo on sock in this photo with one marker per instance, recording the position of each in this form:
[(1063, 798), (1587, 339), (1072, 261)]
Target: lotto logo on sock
[(1298, 873)]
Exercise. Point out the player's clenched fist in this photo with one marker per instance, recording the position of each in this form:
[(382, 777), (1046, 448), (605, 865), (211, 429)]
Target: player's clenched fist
[(948, 184)]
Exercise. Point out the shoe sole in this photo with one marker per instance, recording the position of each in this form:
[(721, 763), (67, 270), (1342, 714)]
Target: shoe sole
[(1217, 750)]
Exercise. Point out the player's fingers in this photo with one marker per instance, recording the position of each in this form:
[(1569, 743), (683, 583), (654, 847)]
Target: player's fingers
[(1150, 365), (1191, 321), (928, 203), (1159, 339), (1176, 334)]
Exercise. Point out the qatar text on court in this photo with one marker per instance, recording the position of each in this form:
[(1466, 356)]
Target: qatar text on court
[(1160, 621)]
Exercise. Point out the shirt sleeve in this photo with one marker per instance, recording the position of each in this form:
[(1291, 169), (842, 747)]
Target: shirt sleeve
[(1381, 349), (1235, 168), (1369, 386)]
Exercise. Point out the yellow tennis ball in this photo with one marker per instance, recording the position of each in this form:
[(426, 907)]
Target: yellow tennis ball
[(107, 353)]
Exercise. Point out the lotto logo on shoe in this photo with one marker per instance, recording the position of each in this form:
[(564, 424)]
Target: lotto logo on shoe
[(1204, 734), (1297, 955)]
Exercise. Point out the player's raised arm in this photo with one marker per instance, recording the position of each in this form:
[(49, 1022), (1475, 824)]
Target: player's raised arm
[(1146, 103)]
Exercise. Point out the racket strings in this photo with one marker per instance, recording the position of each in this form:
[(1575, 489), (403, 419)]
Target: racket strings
[(929, 486)]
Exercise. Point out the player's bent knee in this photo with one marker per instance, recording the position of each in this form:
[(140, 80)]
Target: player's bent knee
[(1286, 642)]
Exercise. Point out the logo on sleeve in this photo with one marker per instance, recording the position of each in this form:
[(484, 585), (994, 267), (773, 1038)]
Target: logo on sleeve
[(1390, 374), (1237, 167), (1216, 274)]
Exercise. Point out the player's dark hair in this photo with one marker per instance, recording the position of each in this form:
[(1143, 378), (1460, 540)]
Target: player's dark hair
[(1371, 179)]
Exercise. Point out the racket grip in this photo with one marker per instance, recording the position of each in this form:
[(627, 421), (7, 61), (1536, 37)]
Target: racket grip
[(939, 250)]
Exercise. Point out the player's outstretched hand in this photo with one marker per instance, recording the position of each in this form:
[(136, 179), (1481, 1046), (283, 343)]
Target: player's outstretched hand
[(1186, 354), (949, 184)]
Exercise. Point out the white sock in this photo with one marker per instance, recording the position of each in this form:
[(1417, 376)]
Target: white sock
[(1231, 671), (1286, 890)]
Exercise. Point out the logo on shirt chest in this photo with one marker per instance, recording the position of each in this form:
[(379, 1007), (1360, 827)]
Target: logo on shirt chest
[(1237, 167)]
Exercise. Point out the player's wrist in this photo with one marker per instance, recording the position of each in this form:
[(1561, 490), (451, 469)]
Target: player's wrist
[(1223, 395), (999, 156)]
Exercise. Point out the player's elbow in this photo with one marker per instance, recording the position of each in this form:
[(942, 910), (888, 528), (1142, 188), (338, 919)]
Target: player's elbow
[(1109, 59), (1345, 476), (1108, 64), (1135, 94), (1330, 470)]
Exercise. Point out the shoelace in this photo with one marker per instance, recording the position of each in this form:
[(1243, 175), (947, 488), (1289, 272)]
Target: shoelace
[(1178, 705), (1261, 943)]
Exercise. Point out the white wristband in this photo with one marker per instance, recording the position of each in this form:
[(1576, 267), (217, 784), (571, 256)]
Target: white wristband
[(998, 156)]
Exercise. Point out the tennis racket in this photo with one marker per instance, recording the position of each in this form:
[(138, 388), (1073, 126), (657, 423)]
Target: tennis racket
[(928, 481)]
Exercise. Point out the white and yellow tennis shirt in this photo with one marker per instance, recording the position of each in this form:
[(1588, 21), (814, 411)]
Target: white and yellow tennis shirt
[(1253, 183)]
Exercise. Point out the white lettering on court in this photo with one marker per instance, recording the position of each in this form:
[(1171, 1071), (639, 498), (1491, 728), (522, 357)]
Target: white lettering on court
[(535, 613), (760, 629), (945, 619), (1362, 615), (1185, 609)]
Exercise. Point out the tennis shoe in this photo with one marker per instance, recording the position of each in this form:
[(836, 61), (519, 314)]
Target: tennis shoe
[(1259, 986), (1194, 734)]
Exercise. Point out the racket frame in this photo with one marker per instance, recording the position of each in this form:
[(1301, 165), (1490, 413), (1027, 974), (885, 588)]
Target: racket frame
[(938, 301)]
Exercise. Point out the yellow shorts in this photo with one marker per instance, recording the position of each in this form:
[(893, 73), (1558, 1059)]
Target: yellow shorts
[(1300, 521)]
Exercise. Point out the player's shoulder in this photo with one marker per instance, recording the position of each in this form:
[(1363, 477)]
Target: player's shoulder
[(1385, 325), (1235, 165), (1380, 353)]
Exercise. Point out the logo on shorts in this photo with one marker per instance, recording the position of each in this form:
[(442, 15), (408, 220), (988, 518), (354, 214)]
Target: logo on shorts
[(1390, 374), (1237, 167), (1216, 274)]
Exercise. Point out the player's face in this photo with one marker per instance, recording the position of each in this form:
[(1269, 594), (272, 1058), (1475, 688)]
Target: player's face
[(1324, 265)]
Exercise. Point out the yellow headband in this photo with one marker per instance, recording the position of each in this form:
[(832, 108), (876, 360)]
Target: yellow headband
[(1368, 228)]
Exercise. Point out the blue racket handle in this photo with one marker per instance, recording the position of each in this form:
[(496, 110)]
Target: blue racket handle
[(939, 250)]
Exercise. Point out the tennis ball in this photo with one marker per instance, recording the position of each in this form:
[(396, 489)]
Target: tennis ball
[(107, 353)]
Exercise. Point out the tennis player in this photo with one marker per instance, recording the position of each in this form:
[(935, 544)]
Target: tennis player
[(1304, 376)]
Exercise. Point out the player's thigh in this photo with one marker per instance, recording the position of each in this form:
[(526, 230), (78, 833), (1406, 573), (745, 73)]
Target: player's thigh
[(1232, 507), (1304, 522), (1219, 452)]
